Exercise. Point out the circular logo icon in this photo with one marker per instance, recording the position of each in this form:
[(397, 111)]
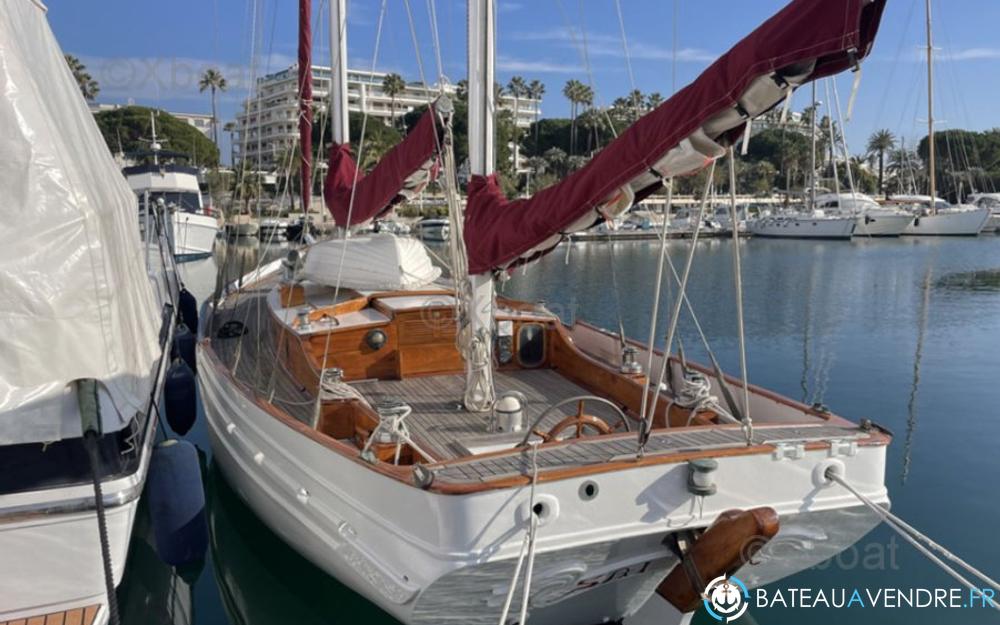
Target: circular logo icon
[(726, 598)]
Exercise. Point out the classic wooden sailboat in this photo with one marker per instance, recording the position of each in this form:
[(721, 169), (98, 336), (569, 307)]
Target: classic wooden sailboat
[(459, 457), (86, 314)]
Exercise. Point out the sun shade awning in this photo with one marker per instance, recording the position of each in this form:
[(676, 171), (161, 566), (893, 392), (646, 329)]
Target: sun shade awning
[(401, 174), (807, 40)]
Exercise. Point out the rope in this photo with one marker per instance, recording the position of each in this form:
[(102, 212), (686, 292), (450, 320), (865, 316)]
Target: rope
[(90, 442), (527, 547), (915, 538)]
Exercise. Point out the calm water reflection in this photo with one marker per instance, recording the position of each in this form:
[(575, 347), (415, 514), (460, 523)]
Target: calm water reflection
[(883, 329)]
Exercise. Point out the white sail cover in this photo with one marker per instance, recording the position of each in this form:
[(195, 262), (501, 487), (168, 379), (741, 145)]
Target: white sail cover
[(75, 299), (379, 262)]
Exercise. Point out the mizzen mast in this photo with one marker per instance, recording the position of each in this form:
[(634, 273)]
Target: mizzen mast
[(479, 390), (305, 101), (338, 72)]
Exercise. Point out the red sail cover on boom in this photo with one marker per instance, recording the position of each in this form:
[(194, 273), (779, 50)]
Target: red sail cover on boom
[(807, 40), (403, 171)]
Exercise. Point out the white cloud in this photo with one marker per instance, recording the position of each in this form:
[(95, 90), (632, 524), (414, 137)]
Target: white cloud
[(973, 54), (511, 64), (610, 46)]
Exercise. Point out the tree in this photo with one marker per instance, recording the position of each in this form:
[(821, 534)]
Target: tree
[(572, 91), (654, 100), (393, 85), (518, 88), (88, 86), (128, 127), (536, 89), (880, 143), (213, 80)]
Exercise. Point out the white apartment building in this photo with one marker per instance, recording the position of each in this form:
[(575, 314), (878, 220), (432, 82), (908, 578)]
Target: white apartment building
[(265, 134)]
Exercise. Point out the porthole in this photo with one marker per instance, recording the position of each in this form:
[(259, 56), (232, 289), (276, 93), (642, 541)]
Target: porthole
[(589, 490), (531, 345)]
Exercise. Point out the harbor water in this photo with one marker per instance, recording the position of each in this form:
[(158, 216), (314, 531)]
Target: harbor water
[(905, 332)]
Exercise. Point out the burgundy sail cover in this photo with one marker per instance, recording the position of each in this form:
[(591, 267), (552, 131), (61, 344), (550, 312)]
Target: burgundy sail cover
[(380, 189), (835, 33)]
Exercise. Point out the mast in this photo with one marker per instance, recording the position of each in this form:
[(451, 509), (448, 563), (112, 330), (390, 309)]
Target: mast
[(305, 101), (479, 391), (812, 158), (339, 125), (930, 109)]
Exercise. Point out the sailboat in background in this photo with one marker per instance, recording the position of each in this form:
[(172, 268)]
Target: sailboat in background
[(86, 318), (460, 457), (811, 221), (934, 216)]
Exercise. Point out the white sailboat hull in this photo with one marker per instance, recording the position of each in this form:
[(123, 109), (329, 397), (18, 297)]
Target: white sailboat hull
[(993, 223), (193, 234), (428, 558), (803, 227), (950, 222), (882, 225)]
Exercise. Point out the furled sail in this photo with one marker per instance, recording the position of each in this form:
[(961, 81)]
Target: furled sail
[(76, 299), (806, 40), (354, 198)]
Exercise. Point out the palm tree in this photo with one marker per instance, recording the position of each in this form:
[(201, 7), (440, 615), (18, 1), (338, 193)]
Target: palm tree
[(214, 80), (654, 100), (88, 86), (518, 88), (393, 85), (571, 91), (638, 102), (879, 143), (536, 89)]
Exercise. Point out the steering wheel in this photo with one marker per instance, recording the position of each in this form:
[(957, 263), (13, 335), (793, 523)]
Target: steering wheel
[(580, 420)]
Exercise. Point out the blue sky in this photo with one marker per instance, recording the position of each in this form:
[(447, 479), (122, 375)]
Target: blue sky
[(152, 52)]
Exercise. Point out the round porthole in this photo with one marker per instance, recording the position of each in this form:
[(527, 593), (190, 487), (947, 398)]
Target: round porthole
[(376, 339), (589, 490)]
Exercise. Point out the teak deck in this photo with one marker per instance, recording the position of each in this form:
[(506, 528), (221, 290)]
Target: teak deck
[(78, 616)]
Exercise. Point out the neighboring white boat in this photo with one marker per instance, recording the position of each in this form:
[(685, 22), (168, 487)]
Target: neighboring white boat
[(814, 225), (992, 202), (872, 219), (432, 229), (273, 228), (239, 226), (84, 320), (723, 217), (684, 220), (940, 218), (192, 227)]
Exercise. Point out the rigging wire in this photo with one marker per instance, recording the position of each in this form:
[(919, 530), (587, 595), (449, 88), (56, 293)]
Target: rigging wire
[(350, 205), (648, 412), (738, 283)]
